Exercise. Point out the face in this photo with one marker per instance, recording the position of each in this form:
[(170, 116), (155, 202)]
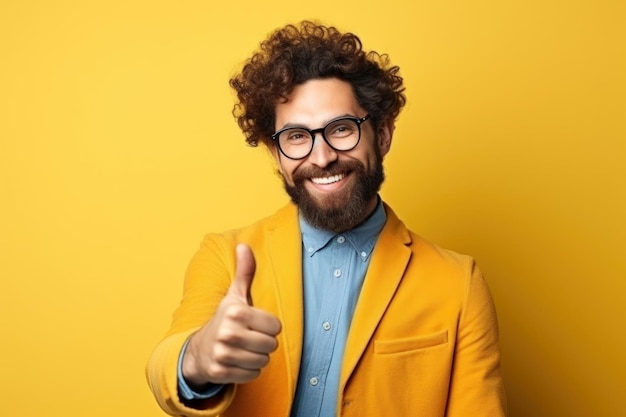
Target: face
[(334, 190)]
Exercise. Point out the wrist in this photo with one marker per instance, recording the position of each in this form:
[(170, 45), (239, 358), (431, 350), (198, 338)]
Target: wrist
[(189, 366)]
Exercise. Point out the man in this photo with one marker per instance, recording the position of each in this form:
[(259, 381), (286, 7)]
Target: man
[(330, 307)]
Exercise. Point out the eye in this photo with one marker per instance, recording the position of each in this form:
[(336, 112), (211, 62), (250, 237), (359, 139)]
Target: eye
[(341, 129), (295, 135)]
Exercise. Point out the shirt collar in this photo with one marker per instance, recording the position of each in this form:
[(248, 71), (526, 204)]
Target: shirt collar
[(362, 238)]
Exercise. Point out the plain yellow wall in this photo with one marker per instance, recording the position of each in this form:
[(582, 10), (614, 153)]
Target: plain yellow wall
[(118, 152)]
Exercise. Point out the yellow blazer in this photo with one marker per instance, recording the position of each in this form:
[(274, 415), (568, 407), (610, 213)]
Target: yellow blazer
[(423, 340)]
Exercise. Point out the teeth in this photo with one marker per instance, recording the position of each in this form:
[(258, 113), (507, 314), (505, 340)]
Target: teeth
[(327, 180)]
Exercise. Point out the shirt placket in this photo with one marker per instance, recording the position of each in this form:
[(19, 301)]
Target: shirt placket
[(333, 294)]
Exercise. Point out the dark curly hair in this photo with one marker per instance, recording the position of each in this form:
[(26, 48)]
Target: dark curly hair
[(295, 54)]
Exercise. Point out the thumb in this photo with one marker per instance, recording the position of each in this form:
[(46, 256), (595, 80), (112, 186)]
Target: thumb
[(244, 273)]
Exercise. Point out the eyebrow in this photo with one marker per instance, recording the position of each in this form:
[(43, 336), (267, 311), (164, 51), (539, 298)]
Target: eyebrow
[(290, 125)]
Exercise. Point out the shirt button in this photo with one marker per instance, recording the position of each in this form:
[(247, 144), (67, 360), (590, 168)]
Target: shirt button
[(326, 325), (363, 255), (341, 239), (337, 273), (310, 250), (313, 381)]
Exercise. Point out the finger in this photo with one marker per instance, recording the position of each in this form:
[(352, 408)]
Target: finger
[(264, 322), (253, 342), (244, 326), (243, 359), (225, 374), (244, 273)]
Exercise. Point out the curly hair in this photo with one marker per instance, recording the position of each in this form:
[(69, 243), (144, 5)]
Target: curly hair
[(295, 54)]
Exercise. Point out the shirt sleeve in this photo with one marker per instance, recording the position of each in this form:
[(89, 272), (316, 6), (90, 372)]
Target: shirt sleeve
[(185, 391)]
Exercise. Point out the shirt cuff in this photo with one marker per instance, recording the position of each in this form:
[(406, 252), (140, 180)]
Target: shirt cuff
[(185, 391)]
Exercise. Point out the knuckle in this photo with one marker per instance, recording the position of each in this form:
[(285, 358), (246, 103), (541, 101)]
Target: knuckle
[(221, 353), (264, 360), (273, 345), (279, 326), (217, 372), (228, 335), (236, 312), (253, 374)]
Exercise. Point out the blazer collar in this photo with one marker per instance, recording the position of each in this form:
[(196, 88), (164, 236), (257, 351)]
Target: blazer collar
[(284, 243), (389, 261)]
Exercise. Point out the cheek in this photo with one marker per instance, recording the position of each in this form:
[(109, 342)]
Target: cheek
[(286, 170), (367, 151), (368, 160)]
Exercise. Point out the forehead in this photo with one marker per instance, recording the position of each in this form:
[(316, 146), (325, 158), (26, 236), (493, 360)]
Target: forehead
[(316, 102)]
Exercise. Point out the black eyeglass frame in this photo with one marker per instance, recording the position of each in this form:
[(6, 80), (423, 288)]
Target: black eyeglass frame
[(314, 132)]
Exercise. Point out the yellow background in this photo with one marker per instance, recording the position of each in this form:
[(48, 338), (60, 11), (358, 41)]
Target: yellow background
[(118, 152)]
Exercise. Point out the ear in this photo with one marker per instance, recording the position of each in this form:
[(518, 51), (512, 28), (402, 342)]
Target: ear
[(385, 135)]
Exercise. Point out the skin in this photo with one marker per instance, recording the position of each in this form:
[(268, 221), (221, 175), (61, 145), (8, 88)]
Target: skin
[(235, 345), (312, 105)]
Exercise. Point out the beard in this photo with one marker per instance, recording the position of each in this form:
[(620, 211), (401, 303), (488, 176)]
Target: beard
[(345, 208)]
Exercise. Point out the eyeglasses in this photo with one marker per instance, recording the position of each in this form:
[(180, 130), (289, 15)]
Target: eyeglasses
[(341, 134)]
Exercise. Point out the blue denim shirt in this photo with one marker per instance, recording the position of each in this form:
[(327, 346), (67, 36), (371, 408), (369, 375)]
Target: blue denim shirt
[(334, 268)]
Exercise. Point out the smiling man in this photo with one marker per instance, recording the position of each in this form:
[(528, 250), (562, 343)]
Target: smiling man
[(334, 184), (330, 307)]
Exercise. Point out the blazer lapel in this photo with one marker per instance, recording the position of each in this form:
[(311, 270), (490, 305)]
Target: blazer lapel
[(284, 243), (389, 261)]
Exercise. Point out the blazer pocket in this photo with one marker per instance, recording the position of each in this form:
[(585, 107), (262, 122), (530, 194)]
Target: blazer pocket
[(410, 343)]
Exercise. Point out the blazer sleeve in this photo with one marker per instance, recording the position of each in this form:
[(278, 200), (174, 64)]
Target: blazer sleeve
[(207, 280), (476, 387)]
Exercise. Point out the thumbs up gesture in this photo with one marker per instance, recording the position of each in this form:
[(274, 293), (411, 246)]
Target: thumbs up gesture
[(235, 345)]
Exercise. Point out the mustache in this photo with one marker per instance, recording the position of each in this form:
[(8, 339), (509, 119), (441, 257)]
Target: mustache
[(335, 168)]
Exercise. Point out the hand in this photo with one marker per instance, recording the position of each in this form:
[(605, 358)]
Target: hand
[(235, 345)]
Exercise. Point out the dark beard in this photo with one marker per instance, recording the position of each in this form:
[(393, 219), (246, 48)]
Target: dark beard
[(346, 209)]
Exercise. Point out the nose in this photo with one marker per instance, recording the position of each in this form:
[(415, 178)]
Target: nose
[(322, 154)]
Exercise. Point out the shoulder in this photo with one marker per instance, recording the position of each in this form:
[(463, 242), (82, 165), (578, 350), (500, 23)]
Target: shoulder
[(427, 260), (420, 247), (285, 218), (436, 278)]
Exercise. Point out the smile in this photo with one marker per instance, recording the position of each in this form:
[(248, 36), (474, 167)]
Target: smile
[(328, 180)]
